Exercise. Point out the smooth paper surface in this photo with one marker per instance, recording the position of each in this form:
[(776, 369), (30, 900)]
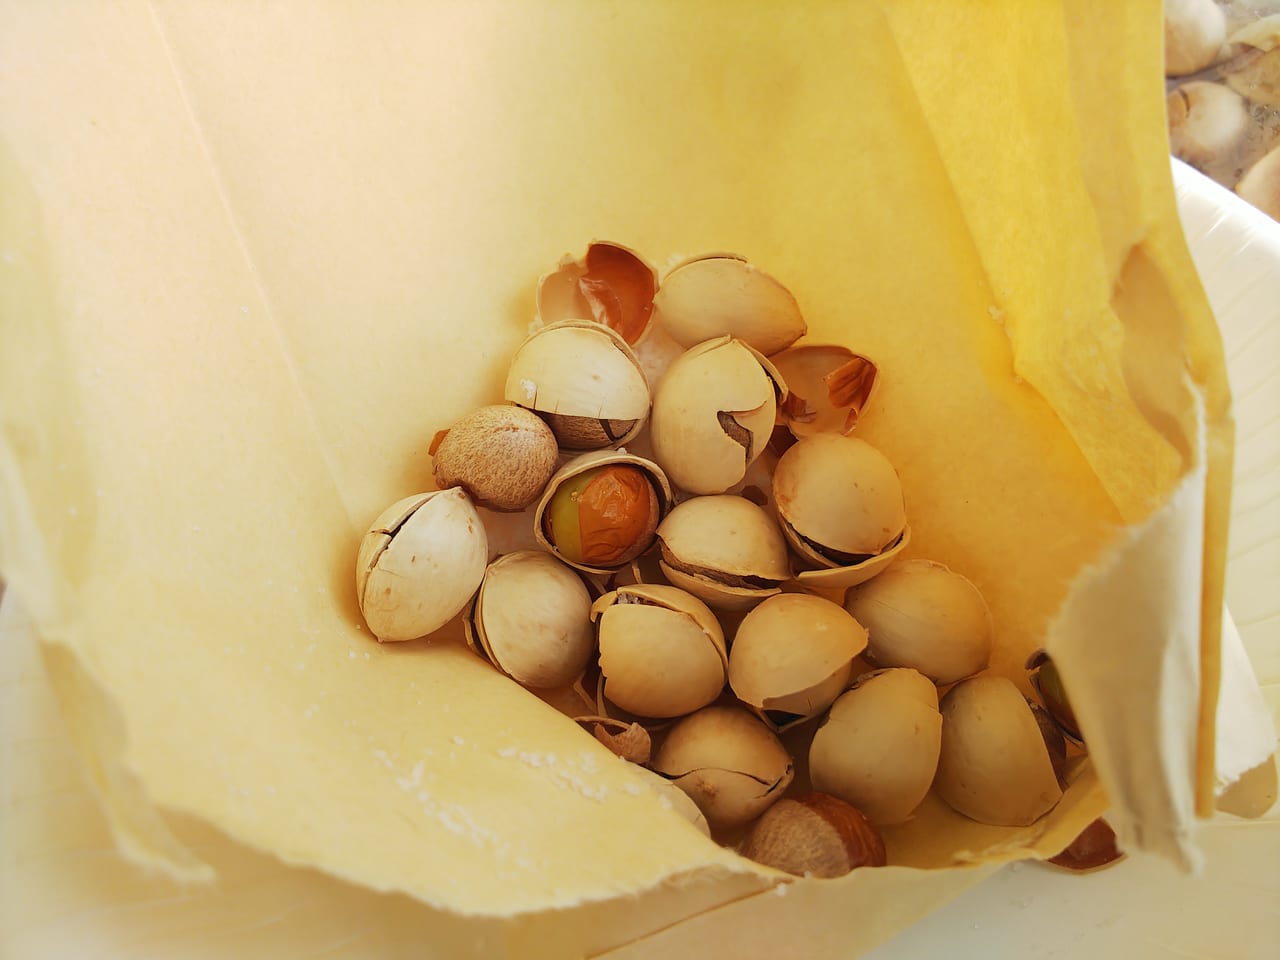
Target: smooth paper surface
[(256, 258)]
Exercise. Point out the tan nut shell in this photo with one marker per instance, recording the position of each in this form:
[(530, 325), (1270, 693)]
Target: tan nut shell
[(728, 762), (1193, 34), (531, 619), (662, 651), (923, 615), (793, 655), (578, 368), (669, 795), (722, 294), (716, 544), (994, 766), (878, 748), (844, 494), (718, 386), (1206, 123), (419, 564), (589, 461)]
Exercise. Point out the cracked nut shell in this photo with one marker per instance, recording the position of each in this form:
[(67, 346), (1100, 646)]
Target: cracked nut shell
[(601, 510), (713, 414), (728, 762), (584, 381), (792, 656), (994, 766), (841, 507), (878, 748), (420, 563), (531, 619), (662, 651), (724, 550)]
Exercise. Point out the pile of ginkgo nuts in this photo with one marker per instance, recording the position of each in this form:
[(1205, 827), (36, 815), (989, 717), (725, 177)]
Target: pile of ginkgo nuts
[(718, 561)]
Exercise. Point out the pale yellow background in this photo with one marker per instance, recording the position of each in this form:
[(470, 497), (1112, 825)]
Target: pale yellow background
[(260, 257)]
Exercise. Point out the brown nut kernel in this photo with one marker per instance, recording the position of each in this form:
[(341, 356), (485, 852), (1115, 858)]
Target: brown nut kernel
[(814, 834), (501, 455)]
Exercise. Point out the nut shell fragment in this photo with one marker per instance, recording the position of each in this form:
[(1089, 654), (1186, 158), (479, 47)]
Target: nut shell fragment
[(718, 295), (878, 748), (583, 379), (611, 283), (724, 550), (713, 414), (921, 614), (993, 766), (419, 564), (728, 762), (531, 620), (828, 387)]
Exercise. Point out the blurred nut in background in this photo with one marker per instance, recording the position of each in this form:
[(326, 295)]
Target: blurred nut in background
[(713, 414), (878, 748), (662, 651), (1261, 185), (584, 381), (1207, 123), (728, 762), (531, 619), (420, 563), (501, 455), (1253, 66), (724, 550), (721, 294), (1194, 32), (792, 656), (920, 614)]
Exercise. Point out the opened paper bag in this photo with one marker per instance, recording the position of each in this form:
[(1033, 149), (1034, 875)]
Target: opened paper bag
[(256, 257)]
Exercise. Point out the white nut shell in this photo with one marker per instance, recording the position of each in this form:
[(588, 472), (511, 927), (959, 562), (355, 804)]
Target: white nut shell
[(713, 415), (719, 295), (993, 766), (878, 748), (531, 619), (921, 614), (420, 563), (580, 369)]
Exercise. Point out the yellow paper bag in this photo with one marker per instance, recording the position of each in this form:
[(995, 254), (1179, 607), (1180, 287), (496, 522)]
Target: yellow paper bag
[(259, 256)]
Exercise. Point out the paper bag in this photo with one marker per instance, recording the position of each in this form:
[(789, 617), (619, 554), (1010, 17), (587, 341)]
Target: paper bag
[(256, 257)]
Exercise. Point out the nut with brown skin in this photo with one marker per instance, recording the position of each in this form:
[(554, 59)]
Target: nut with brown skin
[(502, 455), (814, 834), (1093, 849), (601, 510)]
